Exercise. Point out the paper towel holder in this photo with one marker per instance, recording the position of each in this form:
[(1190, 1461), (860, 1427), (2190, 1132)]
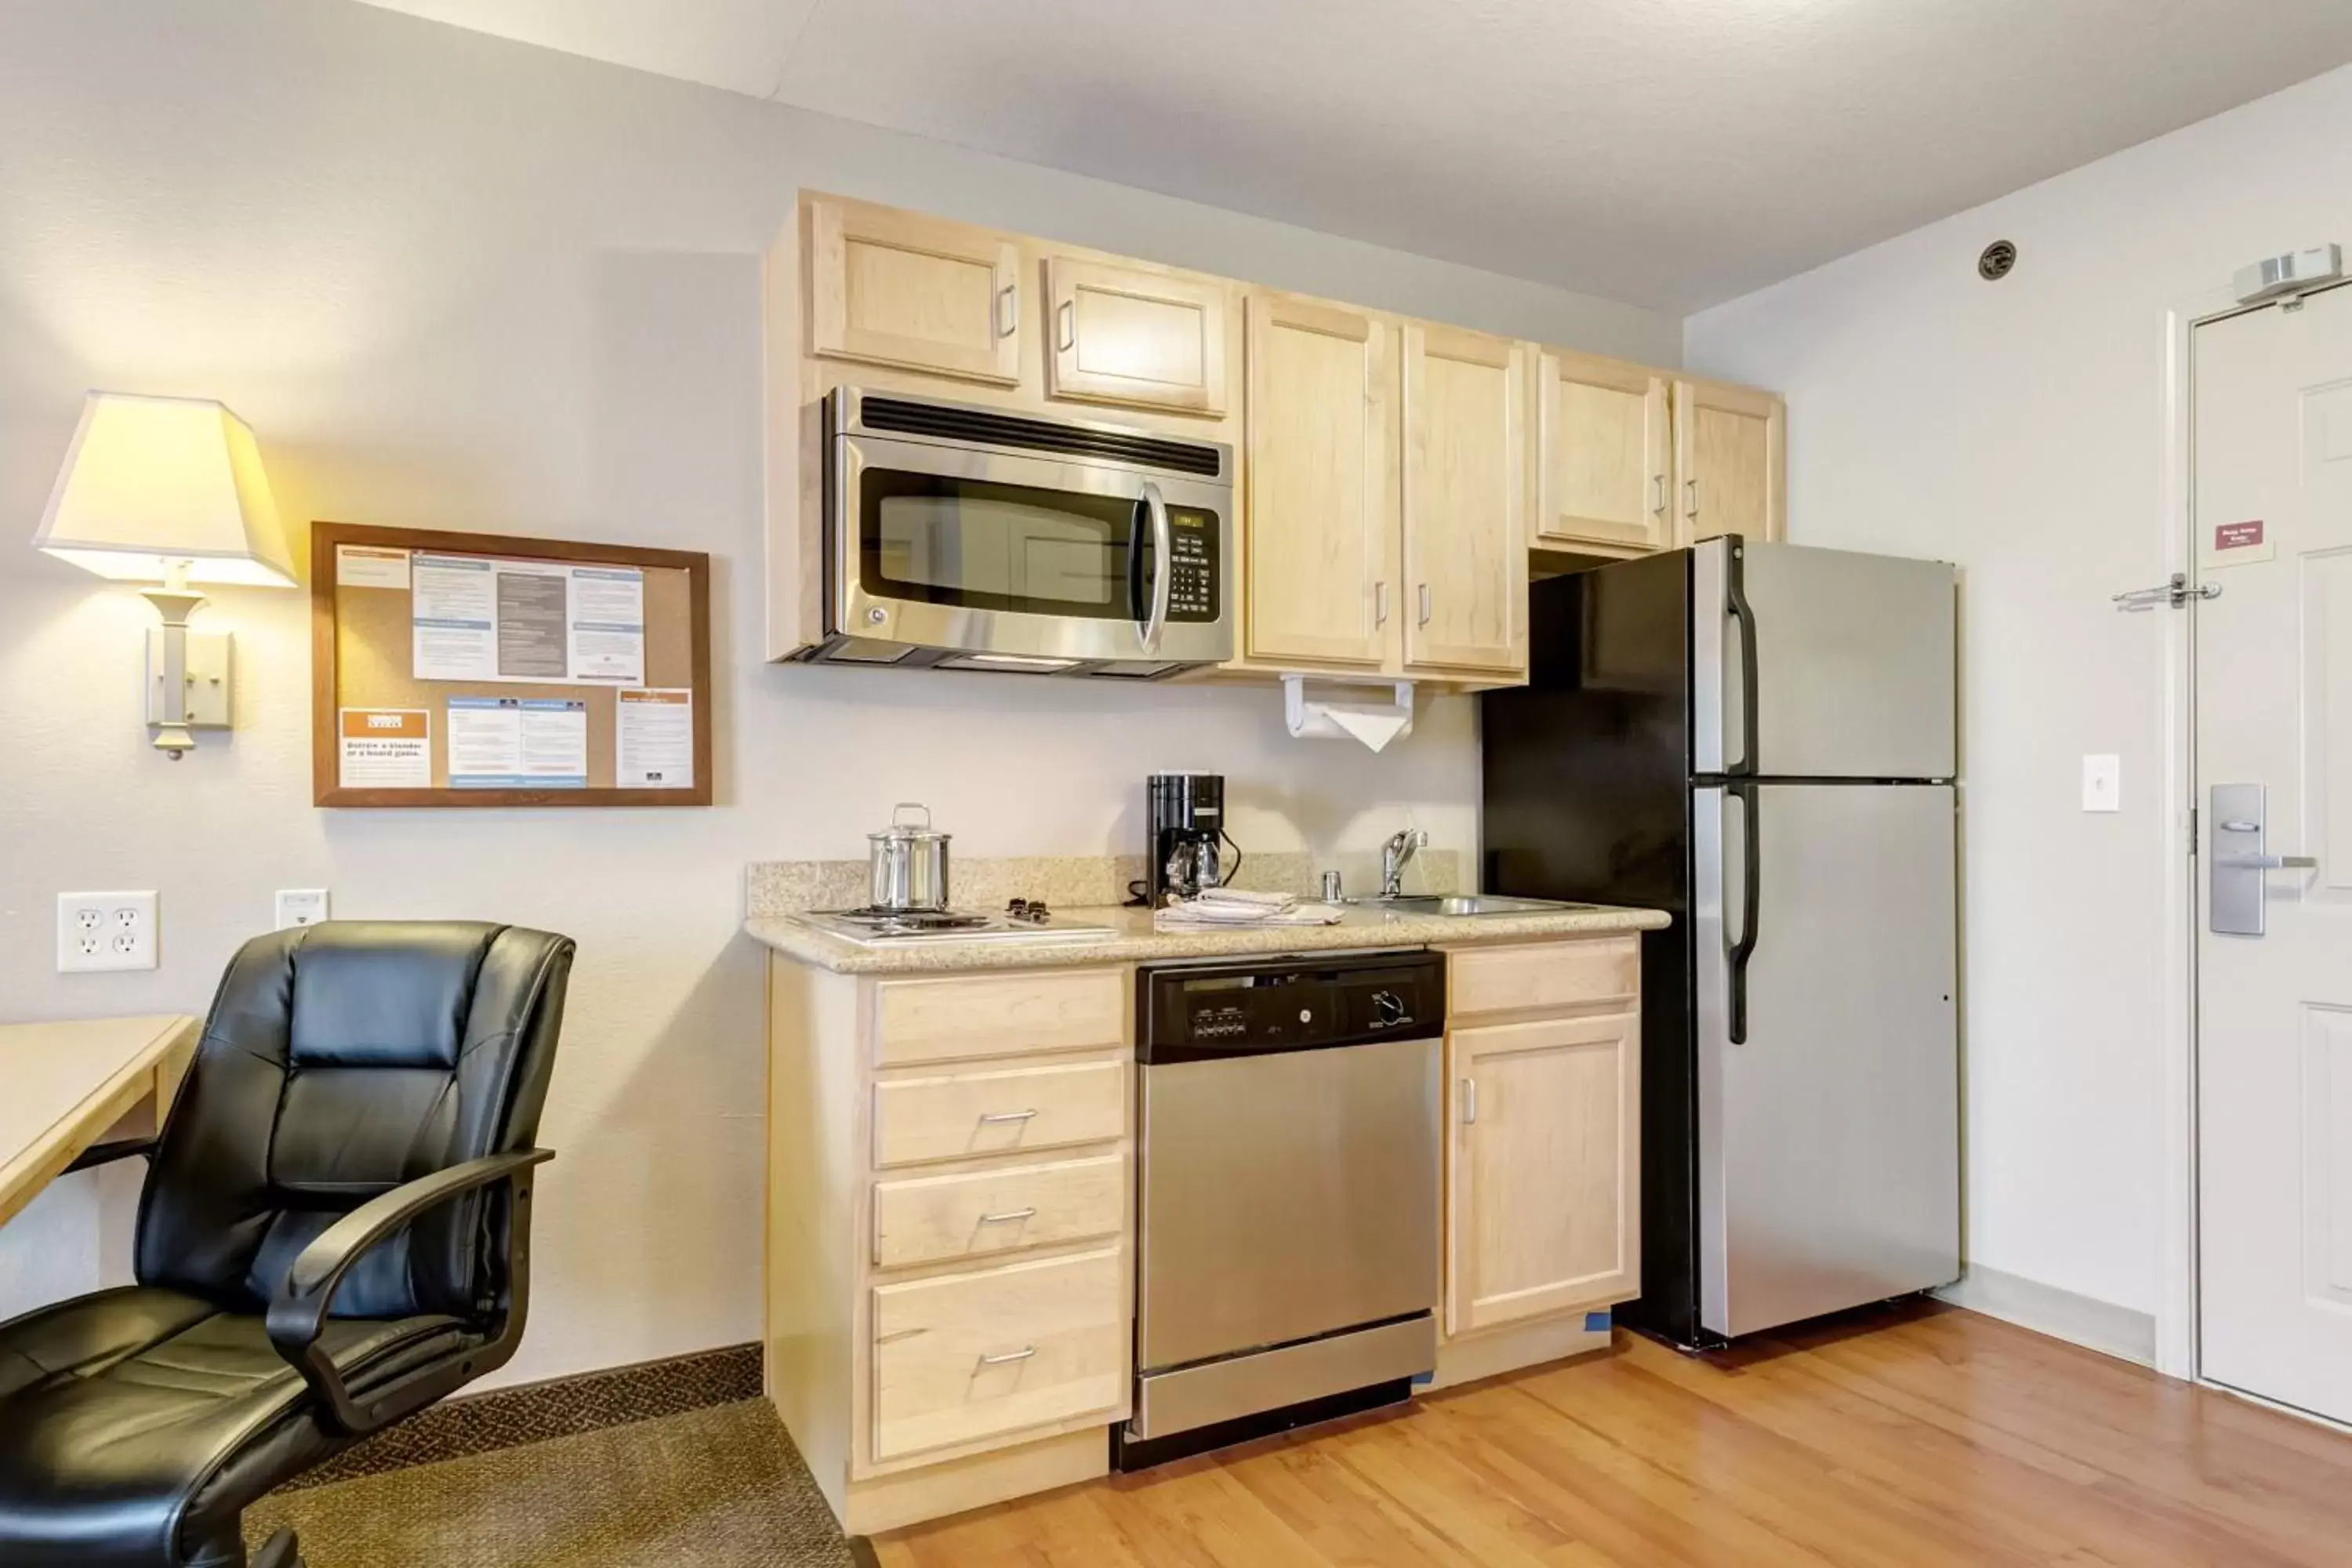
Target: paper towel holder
[(1310, 718)]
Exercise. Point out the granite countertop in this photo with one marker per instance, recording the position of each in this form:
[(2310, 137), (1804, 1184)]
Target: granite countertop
[(1133, 938)]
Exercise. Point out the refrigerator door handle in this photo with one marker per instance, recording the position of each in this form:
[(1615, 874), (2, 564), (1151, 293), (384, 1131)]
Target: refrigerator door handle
[(1735, 594), (1751, 889)]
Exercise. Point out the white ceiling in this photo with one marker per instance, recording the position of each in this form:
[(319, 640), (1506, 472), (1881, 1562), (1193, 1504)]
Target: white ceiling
[(1665, 153)]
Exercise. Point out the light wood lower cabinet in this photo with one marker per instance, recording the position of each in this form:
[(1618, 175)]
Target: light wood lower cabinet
[(1544, 1217), (951, 1221), (968, 1356), (1004, 1208), (968, 1115), (1543, 1163)]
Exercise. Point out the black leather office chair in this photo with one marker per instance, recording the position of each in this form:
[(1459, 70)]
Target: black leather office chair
[(335, 1234)]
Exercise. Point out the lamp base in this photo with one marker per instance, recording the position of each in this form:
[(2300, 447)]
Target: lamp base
[(172, 683)]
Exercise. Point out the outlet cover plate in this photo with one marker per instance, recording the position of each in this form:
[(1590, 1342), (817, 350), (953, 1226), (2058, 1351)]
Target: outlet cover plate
[(300, 907), (2103, 782), (105, 932)]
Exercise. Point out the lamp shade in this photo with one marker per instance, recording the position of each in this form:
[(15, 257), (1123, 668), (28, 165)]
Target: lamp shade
[(152, 482)]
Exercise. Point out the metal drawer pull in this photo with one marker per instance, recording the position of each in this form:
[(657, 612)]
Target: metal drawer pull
[(1658, 494), (1022, 1354), (1469, 1100), (1009, 1215), (1006, 1116), (1424, 604), (1008, 310), (1067, 316)]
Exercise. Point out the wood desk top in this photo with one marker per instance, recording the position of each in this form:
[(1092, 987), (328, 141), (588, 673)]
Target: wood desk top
[(65, 1085)]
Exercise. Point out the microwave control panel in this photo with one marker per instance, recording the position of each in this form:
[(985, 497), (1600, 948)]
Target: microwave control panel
[(1193, 583)]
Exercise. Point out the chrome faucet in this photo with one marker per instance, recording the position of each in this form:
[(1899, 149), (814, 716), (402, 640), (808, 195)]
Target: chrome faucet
[(1396, 855)]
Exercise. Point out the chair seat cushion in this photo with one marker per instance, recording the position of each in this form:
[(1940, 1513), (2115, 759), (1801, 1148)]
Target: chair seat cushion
[(136, 1422)]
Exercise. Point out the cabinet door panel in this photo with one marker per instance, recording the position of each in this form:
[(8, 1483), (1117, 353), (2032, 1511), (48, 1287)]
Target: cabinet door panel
[(1466, 497), (1603, 466), (1133, 336), (893, 288), (1546, 1214), (1730, 461), (1321, 523)]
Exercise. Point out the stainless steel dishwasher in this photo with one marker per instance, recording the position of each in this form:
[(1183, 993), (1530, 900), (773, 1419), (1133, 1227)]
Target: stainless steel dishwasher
[(1287, 1193)]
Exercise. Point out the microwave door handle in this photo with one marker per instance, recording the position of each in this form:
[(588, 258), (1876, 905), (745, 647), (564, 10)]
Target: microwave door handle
[(1161, 566)]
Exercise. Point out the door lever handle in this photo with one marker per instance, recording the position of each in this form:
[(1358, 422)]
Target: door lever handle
[(2268, 862)]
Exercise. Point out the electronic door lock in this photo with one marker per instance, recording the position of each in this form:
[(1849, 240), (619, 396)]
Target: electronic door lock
[(2237, 896)]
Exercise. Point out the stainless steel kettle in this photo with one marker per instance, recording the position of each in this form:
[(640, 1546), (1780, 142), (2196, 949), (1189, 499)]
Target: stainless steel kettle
[(908, 862)]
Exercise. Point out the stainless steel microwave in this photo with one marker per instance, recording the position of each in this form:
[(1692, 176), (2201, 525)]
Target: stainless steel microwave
[(966, 538)]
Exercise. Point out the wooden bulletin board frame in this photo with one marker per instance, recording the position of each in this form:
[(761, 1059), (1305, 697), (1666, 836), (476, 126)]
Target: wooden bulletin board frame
[(328, 635)]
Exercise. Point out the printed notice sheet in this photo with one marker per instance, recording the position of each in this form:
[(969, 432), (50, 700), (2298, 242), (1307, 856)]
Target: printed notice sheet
[(654, 739), (371, 566), (386, 748), (477, 618), (518, 743)]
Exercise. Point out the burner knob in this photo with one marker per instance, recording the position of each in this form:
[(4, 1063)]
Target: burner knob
[(1388, 1007)]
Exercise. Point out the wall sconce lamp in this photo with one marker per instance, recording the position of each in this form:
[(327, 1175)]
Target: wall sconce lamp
[(169, 491)]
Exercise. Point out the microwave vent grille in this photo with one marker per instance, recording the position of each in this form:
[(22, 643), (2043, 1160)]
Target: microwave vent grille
[(942, 423)]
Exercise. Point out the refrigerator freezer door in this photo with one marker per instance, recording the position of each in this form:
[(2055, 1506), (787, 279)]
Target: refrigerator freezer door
[(1828, 1140), (1847, 660)]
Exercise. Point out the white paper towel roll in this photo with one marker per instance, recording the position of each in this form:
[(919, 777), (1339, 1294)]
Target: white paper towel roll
[(1344, 714)]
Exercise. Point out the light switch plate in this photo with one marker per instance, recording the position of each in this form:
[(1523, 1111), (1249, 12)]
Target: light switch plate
[(300, 907), (105, 931), (2103, 782)]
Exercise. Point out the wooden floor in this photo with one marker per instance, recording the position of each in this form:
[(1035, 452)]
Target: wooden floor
[(1926, 1438)]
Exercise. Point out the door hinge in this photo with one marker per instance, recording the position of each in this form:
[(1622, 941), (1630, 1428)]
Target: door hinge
[(2177, 592), (2192, 833)]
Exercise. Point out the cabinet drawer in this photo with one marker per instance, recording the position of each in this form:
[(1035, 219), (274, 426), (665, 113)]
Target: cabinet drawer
[(969, 1114), (929, 1219), (961, 1016), (968, 1356), (1547, 977)]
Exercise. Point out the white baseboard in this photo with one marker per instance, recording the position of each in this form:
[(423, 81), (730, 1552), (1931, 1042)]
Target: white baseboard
[(2085, 1321)]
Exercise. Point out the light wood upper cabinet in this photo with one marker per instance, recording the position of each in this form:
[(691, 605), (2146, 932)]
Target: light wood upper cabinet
[(1320, 556), (899, 288), (1604, 455), (1731, 448), (1543, 1169), (1466, 501), (1138, 337)]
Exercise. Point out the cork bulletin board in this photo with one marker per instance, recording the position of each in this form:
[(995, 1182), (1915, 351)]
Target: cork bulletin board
[(477, 669)]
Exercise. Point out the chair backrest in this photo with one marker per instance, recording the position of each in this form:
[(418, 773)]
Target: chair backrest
[(341, 1060)]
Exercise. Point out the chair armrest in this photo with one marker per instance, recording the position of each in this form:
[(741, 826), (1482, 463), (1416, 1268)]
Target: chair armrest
[(107, 1153), (298, 1310)]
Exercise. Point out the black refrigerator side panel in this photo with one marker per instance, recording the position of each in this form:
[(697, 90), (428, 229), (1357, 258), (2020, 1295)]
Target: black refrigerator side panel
[(1669, 1305), (1587, 771), (1586, 796)]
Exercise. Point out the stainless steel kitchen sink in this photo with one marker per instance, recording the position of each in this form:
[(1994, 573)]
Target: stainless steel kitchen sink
[(1465, 904)]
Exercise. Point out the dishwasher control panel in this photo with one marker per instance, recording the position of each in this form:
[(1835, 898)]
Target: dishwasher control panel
[(1202, 1012)]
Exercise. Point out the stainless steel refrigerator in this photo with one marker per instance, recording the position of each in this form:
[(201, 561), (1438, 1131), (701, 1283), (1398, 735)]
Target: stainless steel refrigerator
[(1760, 738)]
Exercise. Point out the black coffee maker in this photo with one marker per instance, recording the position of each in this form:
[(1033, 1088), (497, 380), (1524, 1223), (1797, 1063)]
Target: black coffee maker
[(1185, 851)]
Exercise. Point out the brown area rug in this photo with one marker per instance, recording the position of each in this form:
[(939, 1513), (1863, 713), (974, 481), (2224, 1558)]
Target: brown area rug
[(718, 1487)]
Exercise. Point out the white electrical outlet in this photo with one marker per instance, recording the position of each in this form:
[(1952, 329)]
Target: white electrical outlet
[(105, 931), (300, 907)]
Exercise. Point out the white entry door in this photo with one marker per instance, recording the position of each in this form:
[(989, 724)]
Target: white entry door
[(2274, 518)]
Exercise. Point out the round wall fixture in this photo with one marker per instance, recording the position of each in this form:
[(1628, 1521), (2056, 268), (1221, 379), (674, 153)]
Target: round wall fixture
[(1999, 258)]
